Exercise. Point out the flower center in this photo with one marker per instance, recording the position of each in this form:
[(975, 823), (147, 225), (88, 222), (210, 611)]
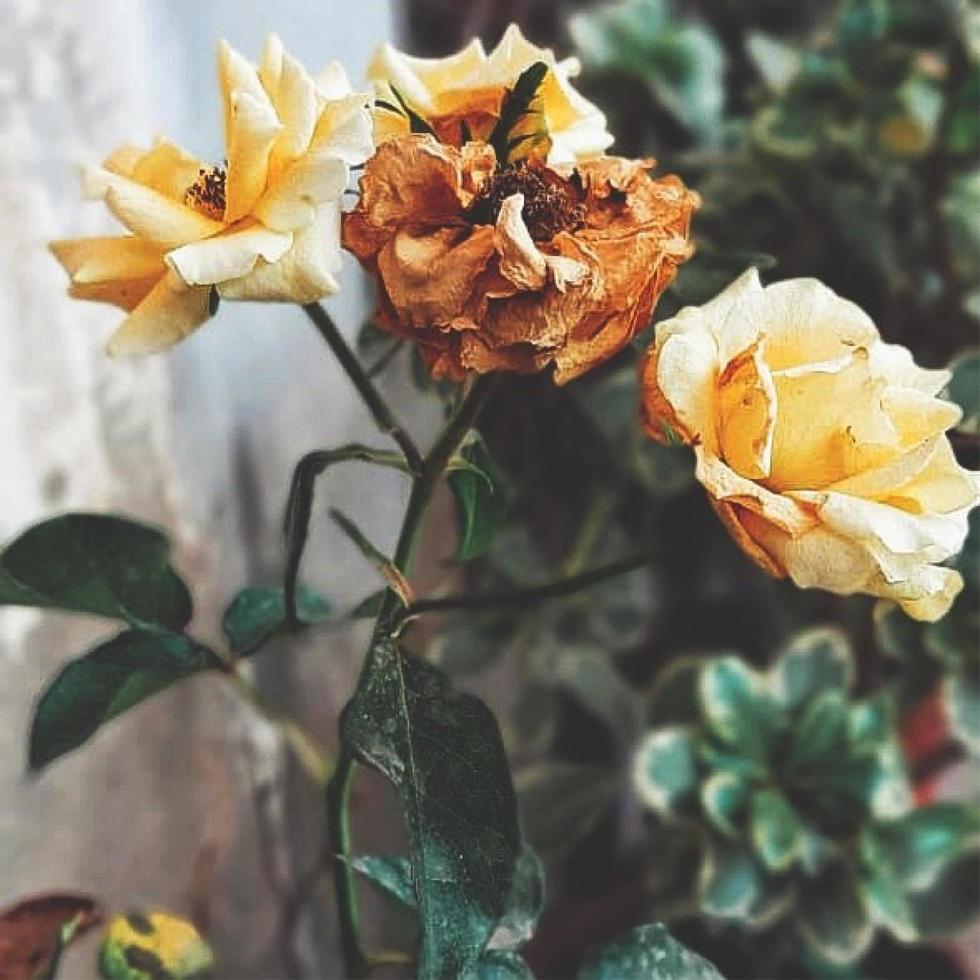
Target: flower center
[(551, 202), (207, 193)]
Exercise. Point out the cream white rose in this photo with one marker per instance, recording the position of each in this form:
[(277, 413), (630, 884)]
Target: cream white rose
[(263, 226), (468, 87), (822, 447)]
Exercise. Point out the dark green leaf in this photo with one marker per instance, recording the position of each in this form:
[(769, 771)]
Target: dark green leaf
[(832, 916), (96, 563), (952, 902), (393, 874), (369, 607), (257, 613), (516, 103), (817, 660), (443, 753), (483, 495), (416, 123), (647, 953), (525, 902), (107, 681), (501, 964)]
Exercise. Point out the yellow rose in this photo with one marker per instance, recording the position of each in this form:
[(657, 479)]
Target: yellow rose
[(822, 448), (264, 226), (469, 86)]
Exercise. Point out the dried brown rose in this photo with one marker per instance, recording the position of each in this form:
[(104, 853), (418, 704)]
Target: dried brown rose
[(517, 268)]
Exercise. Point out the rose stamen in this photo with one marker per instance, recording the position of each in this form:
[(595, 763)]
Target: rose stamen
[(207, 194)]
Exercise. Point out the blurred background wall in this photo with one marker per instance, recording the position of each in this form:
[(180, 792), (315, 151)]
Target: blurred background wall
[(189, 803)]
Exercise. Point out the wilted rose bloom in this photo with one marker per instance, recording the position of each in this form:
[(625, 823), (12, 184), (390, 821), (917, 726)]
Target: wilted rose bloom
[(821, 447), (262, 226), (465, 91)]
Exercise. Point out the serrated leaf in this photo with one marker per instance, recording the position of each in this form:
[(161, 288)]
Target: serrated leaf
[(99, 564), (443, 753), (257, 613), (964, 388), (817, 660), (483, 496), (35, 930), (108, 680), (647, 953), (665, 770), (391, 873)]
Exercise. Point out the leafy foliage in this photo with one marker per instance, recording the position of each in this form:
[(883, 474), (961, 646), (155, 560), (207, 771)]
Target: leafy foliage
[(257, 613), (802, 801), (443, 753), (647, 953), (483, 495)]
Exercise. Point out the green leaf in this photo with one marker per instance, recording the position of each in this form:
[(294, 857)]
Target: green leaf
[(525, 902), (561, 802), (724, 798), (776, 62), (500, 964), (258, 613), (665, 770), (443, 753), (953, 901), (732, 881), (483, 496), (881, 889), (589, 676), (516, 104), (737, 706), (961, 693), (921, 844), (832, 917), (647, 953), (95, 563), (776, 832), (105, 682), (821, 734), (393, 874), (416, 122), (817, 660), (964, 388)]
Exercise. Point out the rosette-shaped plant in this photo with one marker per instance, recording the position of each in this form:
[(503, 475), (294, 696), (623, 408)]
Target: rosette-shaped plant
[(822, 448), (262, 226), (499, 240), (799, 801)]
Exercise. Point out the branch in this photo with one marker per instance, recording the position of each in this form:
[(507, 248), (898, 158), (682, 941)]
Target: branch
[(376, 405)]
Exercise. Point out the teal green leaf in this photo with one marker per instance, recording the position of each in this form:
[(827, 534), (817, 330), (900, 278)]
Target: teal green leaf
[(483, 496), (724, 799), (817, 660), (105, 682), (96, 563), (964, 388), (961, 693), (500, 964), (665, 770), (776, 62), (391, 873), (919, 845), (952, 902), (737, 706), (832, 917), (443, 753), (882, 890), (257, 613), (647, 953), (732, 881), (775, 829), (821, 733)]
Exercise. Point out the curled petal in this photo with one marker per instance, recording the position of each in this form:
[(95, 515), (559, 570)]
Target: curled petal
[(228, 256)]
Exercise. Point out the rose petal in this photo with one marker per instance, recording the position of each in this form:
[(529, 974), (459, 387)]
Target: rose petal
[(229, 255), (296, 106), (94, 260), (170, 311), (310, 182), (746, 403), (520, 260), (254, 131)]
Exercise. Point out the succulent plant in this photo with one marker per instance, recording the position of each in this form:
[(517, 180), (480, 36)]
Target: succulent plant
[(799, 803)]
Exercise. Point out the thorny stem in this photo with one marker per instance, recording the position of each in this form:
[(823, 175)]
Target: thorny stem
[(376, 405), (529, 595), (357, 963)]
